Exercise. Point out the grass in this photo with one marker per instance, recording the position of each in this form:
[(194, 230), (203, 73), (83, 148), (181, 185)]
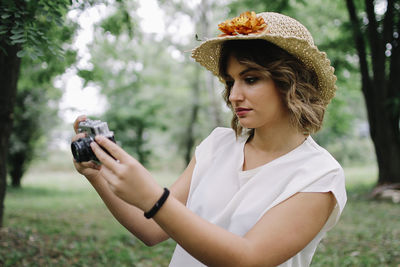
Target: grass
[(57, 219)]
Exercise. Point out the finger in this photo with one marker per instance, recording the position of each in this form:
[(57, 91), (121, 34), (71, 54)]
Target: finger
[(112, 148), (104, 158), (78, 136), (111, 179), (77, 121), (86, 165), (90, 164), (109, 176)]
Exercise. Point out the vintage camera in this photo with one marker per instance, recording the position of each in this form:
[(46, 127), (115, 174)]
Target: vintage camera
[(81, 148)]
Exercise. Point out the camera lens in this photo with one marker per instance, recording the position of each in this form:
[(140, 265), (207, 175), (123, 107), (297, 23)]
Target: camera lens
[(81, 149)]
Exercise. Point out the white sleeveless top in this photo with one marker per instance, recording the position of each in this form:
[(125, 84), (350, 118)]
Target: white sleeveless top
[(223, 194)]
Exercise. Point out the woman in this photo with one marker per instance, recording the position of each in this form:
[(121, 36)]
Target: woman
[(260, 194)]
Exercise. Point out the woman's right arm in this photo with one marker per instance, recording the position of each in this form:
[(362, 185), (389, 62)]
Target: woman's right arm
[(129, 216)]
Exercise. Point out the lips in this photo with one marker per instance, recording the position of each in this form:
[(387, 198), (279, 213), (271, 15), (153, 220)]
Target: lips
[(240, 112)]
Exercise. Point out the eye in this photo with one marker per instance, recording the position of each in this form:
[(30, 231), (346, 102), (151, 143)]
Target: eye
[(251, 80)]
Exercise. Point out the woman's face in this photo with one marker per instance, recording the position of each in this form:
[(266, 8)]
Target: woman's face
[(254, 97)]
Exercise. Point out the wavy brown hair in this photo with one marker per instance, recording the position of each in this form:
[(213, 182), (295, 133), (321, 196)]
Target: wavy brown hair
[(296, 83)]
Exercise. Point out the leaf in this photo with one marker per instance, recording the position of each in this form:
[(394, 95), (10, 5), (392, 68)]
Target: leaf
[(18, 41), (16, 30), (5, 16), (59, 22), (34, 40), (33, 56), (21, 53), (39, 52), (16, 36)]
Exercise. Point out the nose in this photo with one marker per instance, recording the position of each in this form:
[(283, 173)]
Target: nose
[(236, 93)]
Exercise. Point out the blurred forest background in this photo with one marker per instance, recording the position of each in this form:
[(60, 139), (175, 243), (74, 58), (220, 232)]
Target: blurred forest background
[(128, 62)]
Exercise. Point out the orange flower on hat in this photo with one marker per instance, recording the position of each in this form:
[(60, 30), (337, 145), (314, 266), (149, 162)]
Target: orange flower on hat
[(245, 23)]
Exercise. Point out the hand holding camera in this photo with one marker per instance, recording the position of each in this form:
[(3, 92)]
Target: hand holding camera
[(81, 148), (90, 169), (125, 176)]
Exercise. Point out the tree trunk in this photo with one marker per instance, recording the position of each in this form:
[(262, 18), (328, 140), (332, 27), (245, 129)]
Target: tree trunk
[(380, 90), (16, 168), (9, 71), (16, 179), (190, 138), (205, 7), (385, 140), (215, 110), (140, 144)]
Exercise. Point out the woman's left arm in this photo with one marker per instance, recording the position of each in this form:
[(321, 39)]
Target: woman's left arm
[(282, 232)]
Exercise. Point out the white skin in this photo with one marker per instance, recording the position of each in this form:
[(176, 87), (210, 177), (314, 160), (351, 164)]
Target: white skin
[(128, 189)]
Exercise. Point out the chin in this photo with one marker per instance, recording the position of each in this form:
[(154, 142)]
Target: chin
[(247, 124)]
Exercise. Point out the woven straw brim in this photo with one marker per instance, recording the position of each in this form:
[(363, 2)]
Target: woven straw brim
[(208, 54)]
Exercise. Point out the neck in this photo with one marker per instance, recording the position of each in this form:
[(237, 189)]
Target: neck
[(281, 137)]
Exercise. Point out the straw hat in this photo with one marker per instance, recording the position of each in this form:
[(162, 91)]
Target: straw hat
[(281, 30)]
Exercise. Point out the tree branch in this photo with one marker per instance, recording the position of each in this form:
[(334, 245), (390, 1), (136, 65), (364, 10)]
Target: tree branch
[(360, 45), (388, 22), (375, 42), (394, 77)]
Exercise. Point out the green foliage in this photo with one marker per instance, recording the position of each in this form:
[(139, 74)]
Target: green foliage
[(120, 21), (237, 7), (117, 70), (35, 110), (32, 118), (352, 151), (136, 70), (26, 23), (199, 107), (148, 91), (133, 124)]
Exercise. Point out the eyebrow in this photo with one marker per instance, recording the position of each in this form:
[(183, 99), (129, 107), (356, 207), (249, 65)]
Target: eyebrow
[(247, 70), (243, 72)]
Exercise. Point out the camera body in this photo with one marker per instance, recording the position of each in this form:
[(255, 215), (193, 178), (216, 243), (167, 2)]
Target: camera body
[(80, 148)]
